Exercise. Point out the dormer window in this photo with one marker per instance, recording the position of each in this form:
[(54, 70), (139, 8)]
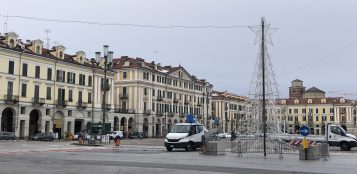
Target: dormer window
[(38, 49), (309, 101), (12, 43), (127, 63), (60, 54), (296, 101), (323, 100), (81, 58)]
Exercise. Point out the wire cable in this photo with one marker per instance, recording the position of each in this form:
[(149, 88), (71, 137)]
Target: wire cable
[(319, 59), (125, 24)]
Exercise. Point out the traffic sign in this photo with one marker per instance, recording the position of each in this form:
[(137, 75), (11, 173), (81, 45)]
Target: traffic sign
[(304, 131)]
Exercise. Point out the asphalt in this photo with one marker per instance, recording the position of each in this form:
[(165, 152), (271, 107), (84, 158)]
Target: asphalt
[(149, 156)]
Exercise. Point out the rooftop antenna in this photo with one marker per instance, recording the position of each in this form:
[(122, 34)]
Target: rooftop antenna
[(56, 43), (5, 24), (47, 31)]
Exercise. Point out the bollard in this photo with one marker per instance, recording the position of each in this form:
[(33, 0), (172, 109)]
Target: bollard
[(306, 146)]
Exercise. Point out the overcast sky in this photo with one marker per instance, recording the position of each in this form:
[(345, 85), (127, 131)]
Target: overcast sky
[(316, 40)]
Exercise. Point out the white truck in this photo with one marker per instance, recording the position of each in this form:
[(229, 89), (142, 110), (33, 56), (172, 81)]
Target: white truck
[(335, 135), (185, 135)]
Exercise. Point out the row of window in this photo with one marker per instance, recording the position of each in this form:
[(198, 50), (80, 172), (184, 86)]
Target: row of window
[(171, 95), (61, 92), (159, 107), (296, 111), (169, 81), (304, 118), (60, 76)]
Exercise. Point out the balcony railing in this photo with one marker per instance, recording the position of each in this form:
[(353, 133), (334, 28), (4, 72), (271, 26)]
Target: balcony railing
[(11, 99), (107, 88), (123, 96), (176, 100), (199, 116), (147, 112), (159, 113), (187, 102), (125, 111), (159, 98), (38, 101), (171, 114), (82, 105), (146, 98), (310, 123), (199, 104), (108, 107), (182, 114), (61, 103)]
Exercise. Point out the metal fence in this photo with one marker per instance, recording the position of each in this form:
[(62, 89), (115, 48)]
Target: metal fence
[(273, 146)]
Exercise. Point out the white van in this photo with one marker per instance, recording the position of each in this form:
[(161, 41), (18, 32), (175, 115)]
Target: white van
[(117, 133), (185, 135), (337, 136)]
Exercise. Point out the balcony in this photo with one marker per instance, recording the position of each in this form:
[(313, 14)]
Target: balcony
[(147, 112), (199, 116), (146, 98), (310, 123), (171, 114), (296, 122), (125, 111), (176, 100), (11, 99), (81, 105), (61, 103), (182, 115), (199, 104), (36, 101), (107, 88), (159, 98), (159, 113), (108, 107), (186, 102), (123, 96)]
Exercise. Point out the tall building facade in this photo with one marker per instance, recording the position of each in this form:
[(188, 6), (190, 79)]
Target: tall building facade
[(314, 109), (229, 108), (47, 90), (150, 98)]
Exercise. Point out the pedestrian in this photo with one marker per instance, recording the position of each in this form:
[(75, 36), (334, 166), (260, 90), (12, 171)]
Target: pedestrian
[(233, 135), (80, 138)]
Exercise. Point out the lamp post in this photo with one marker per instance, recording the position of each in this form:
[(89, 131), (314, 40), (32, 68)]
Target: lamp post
[(108, 58), (208, 90)]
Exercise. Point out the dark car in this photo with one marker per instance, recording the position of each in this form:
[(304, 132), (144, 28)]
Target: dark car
[(138, 135), (7, 136), (43, 137)]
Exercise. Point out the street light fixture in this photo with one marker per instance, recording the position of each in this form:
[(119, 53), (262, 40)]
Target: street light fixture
[(108, 58), (208, 91)]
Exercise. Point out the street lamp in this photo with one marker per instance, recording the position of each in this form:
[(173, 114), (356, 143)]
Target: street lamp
[(208, 91), (108, 58)]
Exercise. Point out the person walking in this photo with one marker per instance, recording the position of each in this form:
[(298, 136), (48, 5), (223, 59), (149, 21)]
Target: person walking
[(233, 135)]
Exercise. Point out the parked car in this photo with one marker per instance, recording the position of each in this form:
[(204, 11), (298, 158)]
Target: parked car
[(224, 135), (117, 133), (7, 136), (43, 137), (138, 135)]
